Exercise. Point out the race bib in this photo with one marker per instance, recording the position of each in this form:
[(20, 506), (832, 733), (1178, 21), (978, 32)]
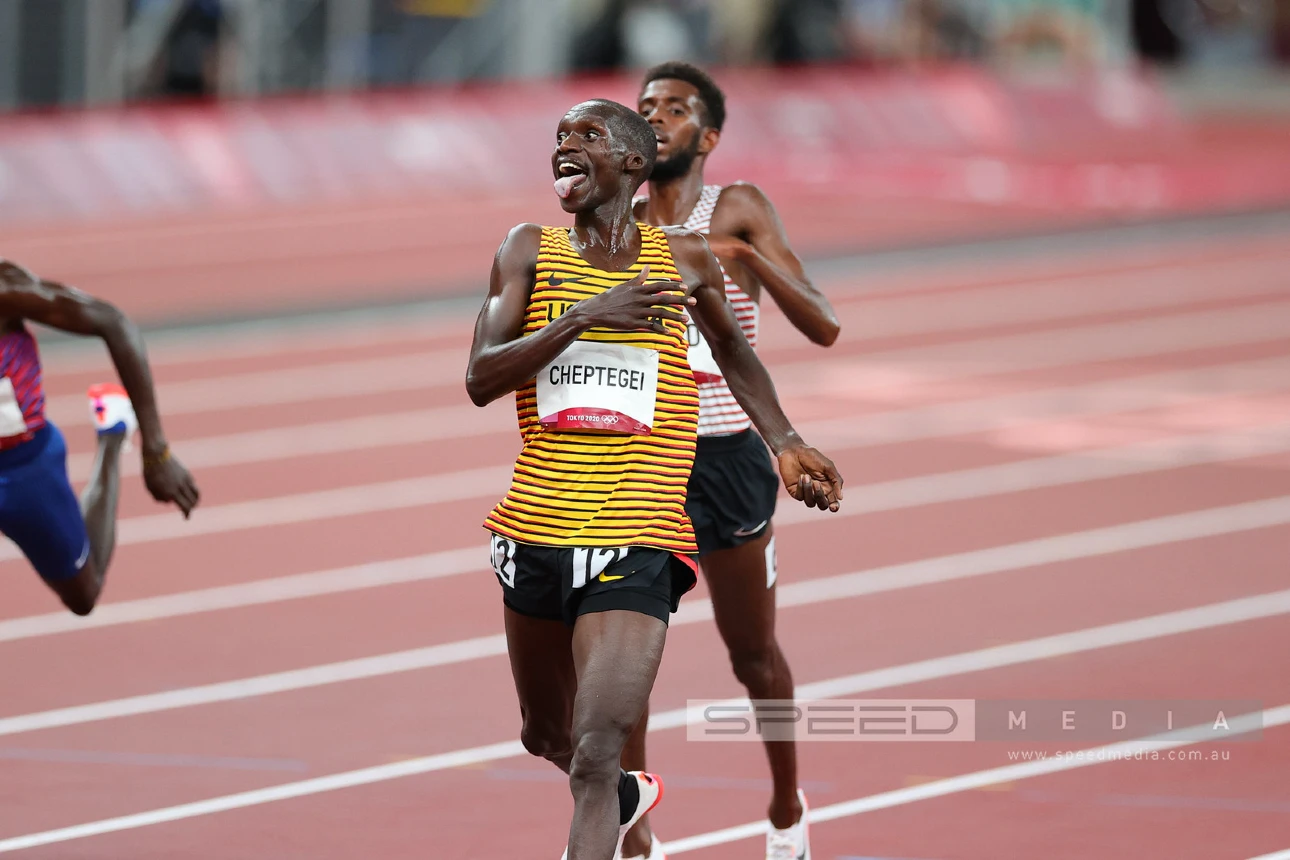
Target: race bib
[(12, 422), (599, 386), (702, 364)]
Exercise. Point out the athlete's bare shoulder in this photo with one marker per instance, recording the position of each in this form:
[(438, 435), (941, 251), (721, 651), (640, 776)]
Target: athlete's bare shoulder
[(743, 191), (694, 260), (683, 238), (13, 275), (510, 287), (18, 286), (739, 206), (688, 247), (521, 238), (517, 255)]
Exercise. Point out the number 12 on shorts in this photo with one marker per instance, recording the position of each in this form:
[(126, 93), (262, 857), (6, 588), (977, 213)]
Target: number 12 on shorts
[(504, 560), (589, 563)]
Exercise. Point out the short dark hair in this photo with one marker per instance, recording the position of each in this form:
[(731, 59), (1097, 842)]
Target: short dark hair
[(635, 130), (713, 99)]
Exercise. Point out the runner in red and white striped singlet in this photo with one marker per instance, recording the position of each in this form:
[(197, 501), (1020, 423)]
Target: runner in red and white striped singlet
[(732, 491), (719, 411)]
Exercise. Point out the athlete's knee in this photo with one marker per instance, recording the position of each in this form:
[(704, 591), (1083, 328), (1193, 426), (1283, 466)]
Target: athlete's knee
[(757, 668), (80, 594), (81, 601), (79, 604), (598, 749), (545, 739)]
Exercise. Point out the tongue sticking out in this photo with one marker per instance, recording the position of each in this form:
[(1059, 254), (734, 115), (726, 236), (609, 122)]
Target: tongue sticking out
[(565, 184)]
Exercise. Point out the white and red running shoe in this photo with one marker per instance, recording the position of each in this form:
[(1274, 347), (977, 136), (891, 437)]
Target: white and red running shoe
[(651, 792), (111, 410), (791, 843)]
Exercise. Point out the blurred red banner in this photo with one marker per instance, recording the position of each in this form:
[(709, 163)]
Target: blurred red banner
[(236, 207), (1101, 140)]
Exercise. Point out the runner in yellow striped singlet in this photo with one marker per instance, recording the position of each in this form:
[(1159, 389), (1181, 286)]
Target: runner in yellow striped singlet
[(603, 489), (592, 545)]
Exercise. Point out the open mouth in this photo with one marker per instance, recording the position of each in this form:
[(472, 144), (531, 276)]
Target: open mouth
[(571, 175)]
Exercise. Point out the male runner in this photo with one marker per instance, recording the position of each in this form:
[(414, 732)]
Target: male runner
[(733, 487), (592, 544), (70, 543)]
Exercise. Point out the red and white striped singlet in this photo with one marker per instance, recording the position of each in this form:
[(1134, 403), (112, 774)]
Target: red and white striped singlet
[(719, 412)]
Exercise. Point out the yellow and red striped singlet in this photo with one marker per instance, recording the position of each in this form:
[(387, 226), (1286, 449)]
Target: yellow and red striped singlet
[(582, 488)]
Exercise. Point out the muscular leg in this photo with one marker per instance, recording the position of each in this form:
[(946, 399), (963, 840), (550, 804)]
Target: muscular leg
[(541, 654), (98, 506), (617, 654), (745, 614), (744, 609)]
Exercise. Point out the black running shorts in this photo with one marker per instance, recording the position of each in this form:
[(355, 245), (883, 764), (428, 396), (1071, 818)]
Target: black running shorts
[(732, 492), (564, 583)]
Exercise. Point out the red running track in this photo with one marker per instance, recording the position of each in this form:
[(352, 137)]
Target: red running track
[(1068, 479)]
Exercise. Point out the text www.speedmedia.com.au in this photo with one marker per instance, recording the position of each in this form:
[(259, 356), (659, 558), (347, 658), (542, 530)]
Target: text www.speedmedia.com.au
[(1191, 756)]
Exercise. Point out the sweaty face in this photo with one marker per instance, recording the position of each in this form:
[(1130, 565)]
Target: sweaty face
[(675, 112), (585, 162)]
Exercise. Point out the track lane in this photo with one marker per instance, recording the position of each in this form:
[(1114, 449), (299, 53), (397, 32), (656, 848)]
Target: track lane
[(454, 794), (267, 731)]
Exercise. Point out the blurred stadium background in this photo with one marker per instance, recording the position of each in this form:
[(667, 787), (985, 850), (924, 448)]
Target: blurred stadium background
[(1057, 235), (398, 140)]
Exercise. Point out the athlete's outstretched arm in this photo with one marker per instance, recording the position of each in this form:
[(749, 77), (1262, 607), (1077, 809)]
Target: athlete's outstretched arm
[(748, 229), (23, 295), (808, 475), (501, 360)]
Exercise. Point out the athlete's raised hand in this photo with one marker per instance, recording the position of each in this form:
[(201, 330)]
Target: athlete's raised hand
[(638, 304), (168, 481), (811, 477)]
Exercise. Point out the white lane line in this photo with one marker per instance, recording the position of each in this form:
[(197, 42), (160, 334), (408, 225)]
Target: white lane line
[(1006, 411), (1275, 855), (1009, 557), (415, 371), (337, 436), (1040, 295), (1063, 644), (357, 577), (308, 507), (1041, 350), (371, 432), (487, 483), (1044, 300), (1140, 458), (1156, 455), (267, 338), (1190, 736), (1031, 350)]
